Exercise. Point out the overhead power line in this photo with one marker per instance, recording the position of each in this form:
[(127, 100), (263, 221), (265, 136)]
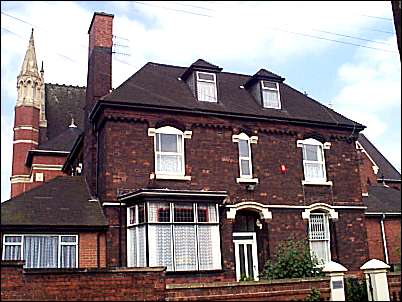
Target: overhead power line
[(173, 9)]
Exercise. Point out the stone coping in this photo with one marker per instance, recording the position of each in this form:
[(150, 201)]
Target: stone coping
[(19, 263), (245, 283)]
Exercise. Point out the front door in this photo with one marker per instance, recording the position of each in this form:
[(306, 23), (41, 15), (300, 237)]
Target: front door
[(246, 256)]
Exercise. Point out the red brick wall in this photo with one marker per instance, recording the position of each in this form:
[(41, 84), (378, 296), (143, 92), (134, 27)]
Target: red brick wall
[(394, 286), (374, 239), (392, 228), (277, 290), (85, 285), (366, 172), (212, 162), (88, 250)]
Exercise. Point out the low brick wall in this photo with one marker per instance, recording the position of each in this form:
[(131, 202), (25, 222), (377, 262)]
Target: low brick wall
[(275, 290), (122, 284), (394, 286)]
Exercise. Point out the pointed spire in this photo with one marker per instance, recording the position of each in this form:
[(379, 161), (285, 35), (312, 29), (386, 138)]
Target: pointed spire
[(29, 66), (41, 69)]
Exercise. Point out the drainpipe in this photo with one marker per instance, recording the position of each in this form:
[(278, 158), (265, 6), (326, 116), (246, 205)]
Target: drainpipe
[(384, 240)]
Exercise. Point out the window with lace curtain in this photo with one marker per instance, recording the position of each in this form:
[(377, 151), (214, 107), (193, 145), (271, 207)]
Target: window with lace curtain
[(206, 87), (182, 236), (270, 95), (42, 251), (319, 237), (169, 152), (313, 160)]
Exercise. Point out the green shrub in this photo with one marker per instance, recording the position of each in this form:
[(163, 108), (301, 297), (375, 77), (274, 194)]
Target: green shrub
[(245, 278), (292, 259), (355, 290), (315, 295)]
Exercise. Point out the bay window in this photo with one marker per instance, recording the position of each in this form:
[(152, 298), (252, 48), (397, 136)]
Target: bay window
[(182, 236), (42, 251)]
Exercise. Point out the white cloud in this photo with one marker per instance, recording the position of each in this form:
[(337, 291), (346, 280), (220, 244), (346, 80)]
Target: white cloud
[(6, 155)]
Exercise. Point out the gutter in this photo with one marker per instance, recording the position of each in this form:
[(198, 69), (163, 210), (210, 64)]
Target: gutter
[(384, 240)]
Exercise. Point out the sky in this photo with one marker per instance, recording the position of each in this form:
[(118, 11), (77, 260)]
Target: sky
[(342, 54)]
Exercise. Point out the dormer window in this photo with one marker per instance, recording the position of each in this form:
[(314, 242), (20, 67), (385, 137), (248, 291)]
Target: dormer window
[(270, 95), (206, 87)]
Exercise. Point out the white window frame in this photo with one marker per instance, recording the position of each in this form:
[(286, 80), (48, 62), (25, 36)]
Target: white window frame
[(199, 97), (263, 87), (58, 245), (327, 235), (250, 140), (321, 147), (172, 223), (184, 135)]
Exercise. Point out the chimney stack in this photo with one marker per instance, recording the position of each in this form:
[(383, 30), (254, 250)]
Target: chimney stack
[(99, 83)]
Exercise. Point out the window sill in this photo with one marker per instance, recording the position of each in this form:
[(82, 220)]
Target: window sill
[(317, 183), (247, 180), (169, 177)]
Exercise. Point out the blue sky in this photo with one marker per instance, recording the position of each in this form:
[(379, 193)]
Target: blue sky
[(293, 39)]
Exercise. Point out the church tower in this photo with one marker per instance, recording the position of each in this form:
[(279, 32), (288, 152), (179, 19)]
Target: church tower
[(29, 118)]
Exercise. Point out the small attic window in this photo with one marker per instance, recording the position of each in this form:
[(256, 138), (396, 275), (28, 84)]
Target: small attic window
[(270, 95), (206, 87)]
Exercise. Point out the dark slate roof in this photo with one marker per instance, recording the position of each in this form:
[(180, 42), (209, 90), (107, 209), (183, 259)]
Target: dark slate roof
[(385, 167), (62, 142), (63, 103), (60, 202), (204, 64), (158, 85), (383, 199)]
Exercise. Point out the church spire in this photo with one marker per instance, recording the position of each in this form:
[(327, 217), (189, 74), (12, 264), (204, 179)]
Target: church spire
[(30, 66)]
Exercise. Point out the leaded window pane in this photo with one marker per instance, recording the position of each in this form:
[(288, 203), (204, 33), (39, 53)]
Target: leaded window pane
[(13, 238), (206, 76), (159, 212), (68, 239), (206, 212), (183, 212), (141, 213)]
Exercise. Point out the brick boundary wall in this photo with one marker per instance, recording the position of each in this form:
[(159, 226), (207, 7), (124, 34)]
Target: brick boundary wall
[(394, 286), (275, 290), (118, 284)]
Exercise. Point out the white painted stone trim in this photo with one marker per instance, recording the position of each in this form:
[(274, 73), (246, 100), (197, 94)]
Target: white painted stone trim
[(170, 177), (47, 167), (320, 206), (318, 183), (26, 128), (261, 208), (25, 141), (247, 180)]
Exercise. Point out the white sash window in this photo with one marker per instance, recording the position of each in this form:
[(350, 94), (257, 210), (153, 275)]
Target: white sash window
[(270, 95), (206, 87), (313, 160), (42, 251), (181, 236)]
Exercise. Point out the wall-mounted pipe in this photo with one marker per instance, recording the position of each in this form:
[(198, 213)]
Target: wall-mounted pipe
[(384, 239)]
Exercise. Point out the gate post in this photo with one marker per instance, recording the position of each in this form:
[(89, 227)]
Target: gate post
[(376, 279), (336, 272)]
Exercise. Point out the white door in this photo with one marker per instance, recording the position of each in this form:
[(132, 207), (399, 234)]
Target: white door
[(245, 244)]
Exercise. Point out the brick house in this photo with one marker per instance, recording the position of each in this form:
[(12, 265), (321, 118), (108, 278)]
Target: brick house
[(193, 168), (381, 190)]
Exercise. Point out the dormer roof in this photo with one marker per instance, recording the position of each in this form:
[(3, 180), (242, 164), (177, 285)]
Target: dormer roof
[(261, 75), (200, 65)]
